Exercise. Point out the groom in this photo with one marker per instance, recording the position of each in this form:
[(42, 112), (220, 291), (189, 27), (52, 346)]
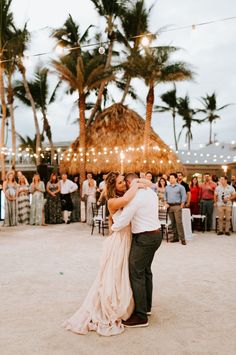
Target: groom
[(142, 213)]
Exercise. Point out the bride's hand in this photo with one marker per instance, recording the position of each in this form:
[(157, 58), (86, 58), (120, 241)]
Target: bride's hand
[(142, 183)]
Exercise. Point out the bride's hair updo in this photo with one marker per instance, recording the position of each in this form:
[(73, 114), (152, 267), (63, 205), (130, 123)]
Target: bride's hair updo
[(111, 184)]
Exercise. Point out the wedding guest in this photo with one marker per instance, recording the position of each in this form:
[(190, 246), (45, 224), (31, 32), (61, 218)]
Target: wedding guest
[(195, 194), (11, 191), (102, 184), (161, 197), (84, 195), (175, 198), (53, 203), (148, 176), (75, 196), (19, 174), (233, 181), (224, 194), (206, 196), (185, 185), (23, 200), (166, 178), (161, 191), (67, 187), (91, 193), (37, 189)]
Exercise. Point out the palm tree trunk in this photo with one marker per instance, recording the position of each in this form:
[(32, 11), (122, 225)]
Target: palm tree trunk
[(30, 98), (127, 86), (4, 115), (82, 136), (147, 128), (47, 130), (210, 135), (13, 129), (174, 129)]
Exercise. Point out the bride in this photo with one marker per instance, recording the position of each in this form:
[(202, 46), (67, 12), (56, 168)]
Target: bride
[(110, 298)]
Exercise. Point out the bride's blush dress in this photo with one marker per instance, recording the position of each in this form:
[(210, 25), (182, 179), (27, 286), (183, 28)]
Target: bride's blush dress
[(110, 297)]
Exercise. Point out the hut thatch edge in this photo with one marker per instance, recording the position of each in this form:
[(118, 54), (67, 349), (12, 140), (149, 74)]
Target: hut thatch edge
[(119, 126)]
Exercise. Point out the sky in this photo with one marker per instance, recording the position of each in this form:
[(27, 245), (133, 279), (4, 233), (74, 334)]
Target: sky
[(210, 50)]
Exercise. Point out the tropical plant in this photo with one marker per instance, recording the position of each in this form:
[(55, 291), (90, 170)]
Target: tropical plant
[(21, 39), (29, 144), (39, 88), (83, 74), (187, 114), (155, 67), (171, 101), (110, 10), (6, 29), (210, 109), (82, 71), (134, 22)]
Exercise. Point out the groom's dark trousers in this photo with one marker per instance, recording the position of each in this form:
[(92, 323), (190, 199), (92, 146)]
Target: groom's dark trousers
[(143, 248)]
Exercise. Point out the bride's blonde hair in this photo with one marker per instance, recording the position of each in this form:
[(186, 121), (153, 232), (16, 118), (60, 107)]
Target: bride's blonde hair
[(111, 184)]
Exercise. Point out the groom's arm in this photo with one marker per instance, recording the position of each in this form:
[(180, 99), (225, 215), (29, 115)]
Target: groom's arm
[(126, 215)]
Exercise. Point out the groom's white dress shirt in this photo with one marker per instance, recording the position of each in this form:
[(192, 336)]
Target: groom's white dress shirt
[(141, 212)]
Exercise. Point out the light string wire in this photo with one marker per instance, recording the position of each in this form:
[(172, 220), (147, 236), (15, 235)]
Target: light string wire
[(193, 26)]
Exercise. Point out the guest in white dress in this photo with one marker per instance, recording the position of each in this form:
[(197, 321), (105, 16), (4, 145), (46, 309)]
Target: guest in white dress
[(91, 198)]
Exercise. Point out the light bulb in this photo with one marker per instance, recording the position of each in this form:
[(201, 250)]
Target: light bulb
[(101, 50)]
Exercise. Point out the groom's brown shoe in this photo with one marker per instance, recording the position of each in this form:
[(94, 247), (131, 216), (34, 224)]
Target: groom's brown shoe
[(135, 322)]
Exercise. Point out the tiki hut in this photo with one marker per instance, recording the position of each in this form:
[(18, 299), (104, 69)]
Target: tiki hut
[(115, 142)]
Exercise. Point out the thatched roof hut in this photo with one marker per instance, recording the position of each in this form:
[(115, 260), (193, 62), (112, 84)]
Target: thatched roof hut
[(116, 135)]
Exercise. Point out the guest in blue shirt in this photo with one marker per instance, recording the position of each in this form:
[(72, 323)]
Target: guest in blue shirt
[(175, 198)]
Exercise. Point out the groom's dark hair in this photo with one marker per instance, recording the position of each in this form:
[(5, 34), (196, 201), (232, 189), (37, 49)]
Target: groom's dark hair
[(131, 176)]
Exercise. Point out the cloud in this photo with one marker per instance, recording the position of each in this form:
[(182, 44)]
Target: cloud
[(209, 49)]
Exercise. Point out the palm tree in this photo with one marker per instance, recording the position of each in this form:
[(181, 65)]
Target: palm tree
[(171, 101), (82, 74), (21, 38), (28, 143), (210, 110), (155, 67), (39, 88), (187, 113), (6, 29), (110, 10), (134, 22)]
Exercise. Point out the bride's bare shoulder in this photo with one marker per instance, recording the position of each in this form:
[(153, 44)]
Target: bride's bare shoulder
[(113, 205)]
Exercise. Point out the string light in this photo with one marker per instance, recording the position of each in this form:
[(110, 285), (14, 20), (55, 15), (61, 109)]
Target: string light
[(62, 50)]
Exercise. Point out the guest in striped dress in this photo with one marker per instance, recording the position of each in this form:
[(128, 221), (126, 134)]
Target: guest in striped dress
[(23, 201), (162, 183)]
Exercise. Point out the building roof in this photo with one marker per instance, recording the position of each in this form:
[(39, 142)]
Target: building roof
[(213, 154)]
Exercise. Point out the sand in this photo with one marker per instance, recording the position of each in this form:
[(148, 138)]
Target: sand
[(45, 272)]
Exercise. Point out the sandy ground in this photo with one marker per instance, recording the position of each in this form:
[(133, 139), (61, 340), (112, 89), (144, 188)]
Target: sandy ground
[(45, 272)]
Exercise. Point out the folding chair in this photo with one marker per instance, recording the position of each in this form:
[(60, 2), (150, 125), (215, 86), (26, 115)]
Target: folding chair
[(97, 218), (164, 220)]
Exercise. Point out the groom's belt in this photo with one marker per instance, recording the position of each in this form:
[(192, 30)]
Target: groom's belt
[(174, 204), (148, 232)]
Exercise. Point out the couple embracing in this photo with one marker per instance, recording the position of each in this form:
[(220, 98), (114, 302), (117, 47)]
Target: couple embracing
[(121, 295)]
